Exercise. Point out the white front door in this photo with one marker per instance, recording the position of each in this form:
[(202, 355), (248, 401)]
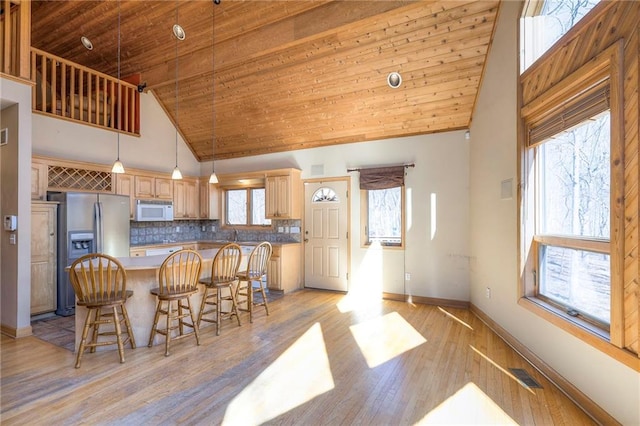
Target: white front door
[(325, 235)]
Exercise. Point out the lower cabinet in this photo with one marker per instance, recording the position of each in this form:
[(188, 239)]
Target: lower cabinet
[(43, 257), (283, 271)]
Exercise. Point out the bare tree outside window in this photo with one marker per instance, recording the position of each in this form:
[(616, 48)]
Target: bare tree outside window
[(385, 216), (246, 207), (575, 188), (542, 26)]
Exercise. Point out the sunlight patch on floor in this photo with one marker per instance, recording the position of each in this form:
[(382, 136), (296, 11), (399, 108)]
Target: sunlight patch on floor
[(301, 373), (467, 406), (383, 338), (365, 290)]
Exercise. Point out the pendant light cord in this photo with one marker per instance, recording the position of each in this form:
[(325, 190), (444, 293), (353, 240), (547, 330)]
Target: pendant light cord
[(213, 83), (177, 87), (119, 106)]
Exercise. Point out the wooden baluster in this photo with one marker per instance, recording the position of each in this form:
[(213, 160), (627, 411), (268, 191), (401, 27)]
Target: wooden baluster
[(6, 58), (54, 85), (81, 94), (126, 109), (89, 90), (63, 89), (43, 86), (72, 93), (112, 90)]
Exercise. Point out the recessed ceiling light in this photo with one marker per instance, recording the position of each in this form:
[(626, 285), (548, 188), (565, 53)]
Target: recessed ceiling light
[(86, 43), (394, 80), (178, 31)]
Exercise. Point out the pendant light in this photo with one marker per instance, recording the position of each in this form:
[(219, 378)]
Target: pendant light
[(213, 178), (117, 165), (179, 33)]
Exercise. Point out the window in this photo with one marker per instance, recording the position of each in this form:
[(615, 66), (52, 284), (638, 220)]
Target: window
[(572, 201), (384, 216), (572, 231), (246, 207), (543, 22)]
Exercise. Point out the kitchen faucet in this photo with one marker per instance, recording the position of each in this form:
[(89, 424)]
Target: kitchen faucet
[(235, 235)]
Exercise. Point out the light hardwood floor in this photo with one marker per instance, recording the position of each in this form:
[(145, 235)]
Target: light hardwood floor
[(319, 358)]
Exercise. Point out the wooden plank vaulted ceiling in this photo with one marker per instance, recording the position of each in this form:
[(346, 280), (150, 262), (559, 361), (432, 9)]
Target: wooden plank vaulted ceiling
[(288, 74)]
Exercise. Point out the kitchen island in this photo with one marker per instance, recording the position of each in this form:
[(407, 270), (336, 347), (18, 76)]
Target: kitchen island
[(142, 276)]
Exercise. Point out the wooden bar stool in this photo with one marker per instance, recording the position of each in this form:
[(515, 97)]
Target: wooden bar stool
[(100, 284), (223, 276), (256, 272), (178, 280)]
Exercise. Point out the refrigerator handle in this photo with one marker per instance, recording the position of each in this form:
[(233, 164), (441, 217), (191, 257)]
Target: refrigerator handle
[(99, 227)]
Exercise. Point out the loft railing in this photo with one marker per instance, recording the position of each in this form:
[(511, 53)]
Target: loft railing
[(74, 92), (15, 38)]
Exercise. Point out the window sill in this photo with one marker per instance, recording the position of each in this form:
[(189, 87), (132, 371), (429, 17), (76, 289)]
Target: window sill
[(583, 330)]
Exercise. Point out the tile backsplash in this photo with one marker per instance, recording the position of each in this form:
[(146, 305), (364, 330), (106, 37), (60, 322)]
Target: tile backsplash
[(145, 233)]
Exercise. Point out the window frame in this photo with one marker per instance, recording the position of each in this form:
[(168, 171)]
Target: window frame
[(364, 221), (247, 226), (607, 65)]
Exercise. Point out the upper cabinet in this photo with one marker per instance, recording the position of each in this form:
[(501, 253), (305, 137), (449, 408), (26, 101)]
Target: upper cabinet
[(38, 181), (153, 187), (209, 200), (186, 199), (283, 194), (125, 185)]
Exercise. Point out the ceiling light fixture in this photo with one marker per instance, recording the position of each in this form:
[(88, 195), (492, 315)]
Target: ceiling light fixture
[(86, 43), (213, 178), (176, 171), (117, 165), (394, 80)]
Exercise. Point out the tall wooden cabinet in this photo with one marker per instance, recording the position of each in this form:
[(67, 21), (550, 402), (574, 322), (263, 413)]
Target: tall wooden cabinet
[(283, 195), (43, 257), (186, 199), (125, 185)]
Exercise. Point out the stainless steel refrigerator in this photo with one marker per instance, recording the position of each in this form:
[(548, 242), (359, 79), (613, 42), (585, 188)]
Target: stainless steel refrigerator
[(87, 223)]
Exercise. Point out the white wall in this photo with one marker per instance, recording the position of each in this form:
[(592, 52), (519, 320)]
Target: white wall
[(15, 164), (439, 267), (153, 150), (494, 248)]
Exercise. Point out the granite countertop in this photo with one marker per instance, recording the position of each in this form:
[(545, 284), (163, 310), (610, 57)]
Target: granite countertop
[(179, 243), (154, 262)]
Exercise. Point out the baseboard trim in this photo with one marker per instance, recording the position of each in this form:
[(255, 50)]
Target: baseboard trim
[(16, 332), (592, 409), (450, 303)]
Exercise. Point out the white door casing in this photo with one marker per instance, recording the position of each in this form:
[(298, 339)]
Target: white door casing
[(326, 235)]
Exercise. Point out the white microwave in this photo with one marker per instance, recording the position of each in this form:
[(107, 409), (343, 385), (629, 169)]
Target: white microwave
[(153, 211)]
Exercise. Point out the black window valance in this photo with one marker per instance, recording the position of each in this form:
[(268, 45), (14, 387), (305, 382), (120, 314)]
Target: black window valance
[(382, 177)]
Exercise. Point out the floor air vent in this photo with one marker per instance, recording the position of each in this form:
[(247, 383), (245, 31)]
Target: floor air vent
[(525, 378)]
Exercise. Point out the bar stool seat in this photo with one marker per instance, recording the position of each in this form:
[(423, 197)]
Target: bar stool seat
[(223, 277), (178, 281), (100, 284), (255, 273)]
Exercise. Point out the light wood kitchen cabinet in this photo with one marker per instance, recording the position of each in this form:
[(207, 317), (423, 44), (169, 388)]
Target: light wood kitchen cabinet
[(283, 270), (153, 187), (209, 200), (283, 195), (39, 181), (125, 185), (186, 199), (43, 257)]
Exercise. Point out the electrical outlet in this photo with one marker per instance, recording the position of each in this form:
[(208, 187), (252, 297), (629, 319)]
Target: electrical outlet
[(203, 228), (407, 276), (12, 239), (213, 228), (177, 229), (487, 292)]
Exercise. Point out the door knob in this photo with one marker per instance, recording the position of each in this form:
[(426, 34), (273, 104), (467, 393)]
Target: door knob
[(306, 240)]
